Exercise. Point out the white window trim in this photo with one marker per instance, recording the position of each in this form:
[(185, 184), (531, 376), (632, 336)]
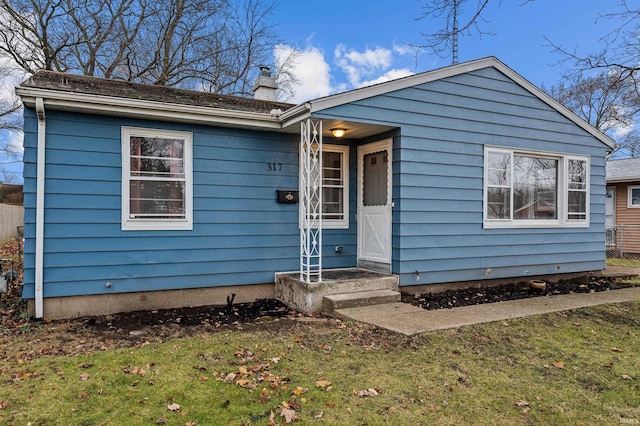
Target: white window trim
[(337, 223), (567, 158), (630, 204), (562, 195), (129, 224), (340, 223)]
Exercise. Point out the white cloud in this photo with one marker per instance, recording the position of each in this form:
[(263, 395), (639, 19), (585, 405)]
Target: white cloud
[(389, 75), (404, 49), (358, 65), (14, 143), (379, 57), (11, 165), (310, 68), (620, 130), (353, 68), (10, 76)]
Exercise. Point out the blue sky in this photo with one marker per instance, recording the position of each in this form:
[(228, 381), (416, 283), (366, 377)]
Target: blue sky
[(349, 43), (346, 44)]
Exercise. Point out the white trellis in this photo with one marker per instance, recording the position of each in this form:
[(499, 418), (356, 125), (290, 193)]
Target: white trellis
[(311, 200)]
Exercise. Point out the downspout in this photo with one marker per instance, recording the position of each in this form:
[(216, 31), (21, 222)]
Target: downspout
[(39, 255)]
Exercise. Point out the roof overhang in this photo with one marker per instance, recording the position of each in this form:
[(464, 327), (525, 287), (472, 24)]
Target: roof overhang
[(137, 108), (282, 121), (287, 122), (624, 179)]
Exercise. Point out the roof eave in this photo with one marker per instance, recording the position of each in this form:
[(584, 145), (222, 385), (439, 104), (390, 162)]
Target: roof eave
[(295, 115), (138, 108), (624, 179)]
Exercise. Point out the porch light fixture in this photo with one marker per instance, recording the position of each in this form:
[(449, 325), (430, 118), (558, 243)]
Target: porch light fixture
[(338, 133)]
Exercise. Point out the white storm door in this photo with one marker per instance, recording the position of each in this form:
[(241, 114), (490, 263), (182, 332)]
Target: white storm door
[(374, 202)]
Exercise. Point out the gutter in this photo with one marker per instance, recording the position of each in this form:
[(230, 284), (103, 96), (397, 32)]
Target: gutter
[(623, 180), (39, 255), (140, 108), (295, 114)]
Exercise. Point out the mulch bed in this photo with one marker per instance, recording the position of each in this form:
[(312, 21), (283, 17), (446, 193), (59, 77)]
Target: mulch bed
[(260, 311), (512, 291), (14, 319)]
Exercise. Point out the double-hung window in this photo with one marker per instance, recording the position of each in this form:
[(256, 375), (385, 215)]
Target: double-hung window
[(335, 186), (535, 189), (633, 197), (156, 179), (577, 189)]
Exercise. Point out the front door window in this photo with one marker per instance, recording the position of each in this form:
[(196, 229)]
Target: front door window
[(375, 191)]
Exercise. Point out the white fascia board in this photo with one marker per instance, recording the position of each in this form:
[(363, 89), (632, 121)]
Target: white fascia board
[(624, 179), (295, 115), (401, 83), (138, 108), (439, 74)]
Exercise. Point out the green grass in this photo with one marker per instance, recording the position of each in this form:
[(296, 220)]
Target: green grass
[(635, 263), (577, 367)]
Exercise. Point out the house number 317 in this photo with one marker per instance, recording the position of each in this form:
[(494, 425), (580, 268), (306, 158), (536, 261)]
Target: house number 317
[(274, 167)]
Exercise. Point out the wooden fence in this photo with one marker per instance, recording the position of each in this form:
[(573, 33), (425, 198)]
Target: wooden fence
[(10, 218)]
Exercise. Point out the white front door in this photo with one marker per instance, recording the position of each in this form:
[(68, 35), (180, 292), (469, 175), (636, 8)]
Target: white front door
[(374, 202), (610, 207)]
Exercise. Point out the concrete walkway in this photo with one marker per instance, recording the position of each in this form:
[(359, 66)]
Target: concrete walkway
[(409, 320)]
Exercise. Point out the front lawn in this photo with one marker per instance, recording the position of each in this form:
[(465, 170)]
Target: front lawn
[(577, 367), (614, 261)]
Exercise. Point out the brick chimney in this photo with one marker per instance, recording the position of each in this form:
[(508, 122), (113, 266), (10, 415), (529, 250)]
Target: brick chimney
[(266, 86)]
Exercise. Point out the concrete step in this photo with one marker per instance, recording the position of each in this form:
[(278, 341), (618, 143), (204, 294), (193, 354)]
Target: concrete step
[(362, 298), (308, 297)]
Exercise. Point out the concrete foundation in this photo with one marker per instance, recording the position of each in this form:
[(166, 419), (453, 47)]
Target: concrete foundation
[(107, 304), (308, 297), (304, 297)]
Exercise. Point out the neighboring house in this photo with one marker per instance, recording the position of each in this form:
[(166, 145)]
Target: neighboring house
[(622, 205), (140, 197), (11, 211)]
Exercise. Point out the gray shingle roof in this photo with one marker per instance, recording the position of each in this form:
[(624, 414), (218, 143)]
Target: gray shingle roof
[(125, 89), (623, 170)]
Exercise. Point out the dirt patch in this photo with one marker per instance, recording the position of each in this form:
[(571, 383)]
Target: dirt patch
[(26, 338), (133, 328), (512, 291)]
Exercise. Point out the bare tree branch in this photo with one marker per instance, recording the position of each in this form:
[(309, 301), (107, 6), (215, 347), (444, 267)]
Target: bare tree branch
[(210, 45), (444, 42), (608, 101), (622, 47), (215, 45)]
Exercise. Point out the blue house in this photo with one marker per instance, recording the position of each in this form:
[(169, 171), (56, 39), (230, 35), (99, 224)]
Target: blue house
[(144, 197)]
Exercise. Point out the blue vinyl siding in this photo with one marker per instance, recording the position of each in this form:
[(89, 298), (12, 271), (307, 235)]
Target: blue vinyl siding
[(241, 235), (438, 179)]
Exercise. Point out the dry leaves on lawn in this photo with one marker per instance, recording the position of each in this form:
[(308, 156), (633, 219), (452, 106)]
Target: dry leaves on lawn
[(367, 392)]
